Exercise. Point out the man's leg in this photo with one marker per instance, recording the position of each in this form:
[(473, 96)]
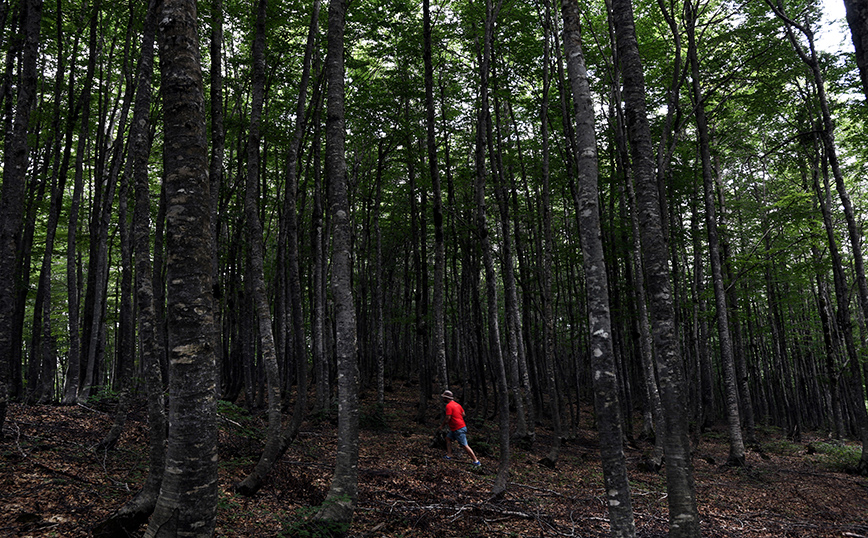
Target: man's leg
[(470, 453)]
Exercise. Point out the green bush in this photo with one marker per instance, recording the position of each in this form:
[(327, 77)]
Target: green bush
[(837, 456)]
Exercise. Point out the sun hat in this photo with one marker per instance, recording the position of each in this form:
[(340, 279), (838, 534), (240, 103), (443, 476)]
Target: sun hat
[(447, 395)]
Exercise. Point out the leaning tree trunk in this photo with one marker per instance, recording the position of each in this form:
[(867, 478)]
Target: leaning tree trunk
[(340, 503), (844, 322), (827, 134), (187, 505), (608, 408), (683, 512), (276, 446), (16, 159), (736, 443), (135, 512)]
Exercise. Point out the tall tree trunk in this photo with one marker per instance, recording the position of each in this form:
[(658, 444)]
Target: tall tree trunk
[(683, 512), (844, 322), (548, 320), (827, 134), (736, 443), (46, 390), (135, 513), (318, 292), (608, 408), (484, 139), (187, 505), (438, 325), (256, 278), (276, 445), (215, 171), (637, 283), (73, 372), (340, 502), (379, 278), (15, 164), (857, 19)]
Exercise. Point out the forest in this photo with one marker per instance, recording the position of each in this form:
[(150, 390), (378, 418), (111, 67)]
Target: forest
[(633, 218)]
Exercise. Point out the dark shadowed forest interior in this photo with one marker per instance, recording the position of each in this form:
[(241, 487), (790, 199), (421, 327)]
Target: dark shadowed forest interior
[(245, 246)]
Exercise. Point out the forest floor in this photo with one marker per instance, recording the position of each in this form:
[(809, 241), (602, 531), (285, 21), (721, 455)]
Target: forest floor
[(53, 483)]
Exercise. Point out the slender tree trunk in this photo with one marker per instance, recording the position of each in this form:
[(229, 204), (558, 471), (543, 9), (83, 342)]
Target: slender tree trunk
[(683, 512), (215, 171), (637, 283), (736, 443), (73, 373), (608, 408), (187, 505), (135, 513), (379, 291), (548, 321), (438, 325), (340, 502), (276, 445), (46, 390), (318, 293), (809, 57), (844, 322), (484, 140), (15, 164), (256, 278)]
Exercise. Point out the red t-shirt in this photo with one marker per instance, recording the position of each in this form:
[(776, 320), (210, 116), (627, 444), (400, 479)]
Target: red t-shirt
[(456, 415)]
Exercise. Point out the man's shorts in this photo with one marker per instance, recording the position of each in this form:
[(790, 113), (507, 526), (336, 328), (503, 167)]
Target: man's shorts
[(459, 436)]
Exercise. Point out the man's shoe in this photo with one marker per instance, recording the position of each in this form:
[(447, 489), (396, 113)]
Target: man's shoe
[(477, 463), (446, 458)]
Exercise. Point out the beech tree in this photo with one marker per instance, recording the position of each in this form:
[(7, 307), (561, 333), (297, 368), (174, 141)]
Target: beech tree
[(16, 158), (453, 242), (187, 504), (606, 402)]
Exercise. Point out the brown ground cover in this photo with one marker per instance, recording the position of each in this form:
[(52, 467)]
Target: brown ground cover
[(52, 482)]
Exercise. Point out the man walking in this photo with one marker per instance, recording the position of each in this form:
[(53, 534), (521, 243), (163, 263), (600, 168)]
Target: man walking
[(457, 427)]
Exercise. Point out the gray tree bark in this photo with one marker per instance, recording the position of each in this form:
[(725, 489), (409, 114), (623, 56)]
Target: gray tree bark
[(73, 372), (338, 508), (438, 325), (683, 512), (736, 443), (15, 164), (276, 445), (606, 403), (827, 134), (187, 505), (135, 513)]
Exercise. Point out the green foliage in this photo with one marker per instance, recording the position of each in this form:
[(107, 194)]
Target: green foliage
[(103, 398), (837, 456), (783, 447), (237, 420)]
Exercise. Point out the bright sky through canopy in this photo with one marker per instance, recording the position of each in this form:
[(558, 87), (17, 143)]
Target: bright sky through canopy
[(834, 36)]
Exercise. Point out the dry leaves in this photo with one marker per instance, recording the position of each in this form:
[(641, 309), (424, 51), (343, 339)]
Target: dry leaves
[(52, 482)]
